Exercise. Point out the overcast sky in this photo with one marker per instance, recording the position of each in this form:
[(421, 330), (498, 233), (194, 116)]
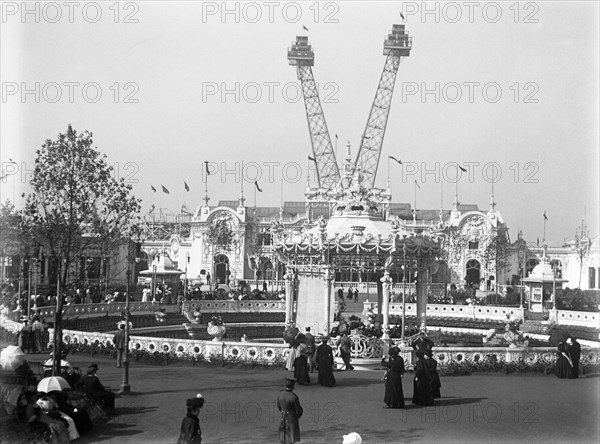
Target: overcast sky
[(497, 87)]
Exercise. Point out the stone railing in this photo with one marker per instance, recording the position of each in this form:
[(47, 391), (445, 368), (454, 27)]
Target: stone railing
[(269, 354), (228, 306), (476, 312), (580, 318), (203, 306)]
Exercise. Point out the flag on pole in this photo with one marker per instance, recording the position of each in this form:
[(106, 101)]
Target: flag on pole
[(336, 136), (165, 189), (393, 158), (538, 241), (153, 189), (207, 170), (312, 158), (305, 28), (464, 170), (545, 217), (187, 188), (416, 183), (257, 187)]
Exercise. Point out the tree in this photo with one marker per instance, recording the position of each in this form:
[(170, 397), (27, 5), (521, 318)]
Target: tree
[(582, 246), (76, 204)]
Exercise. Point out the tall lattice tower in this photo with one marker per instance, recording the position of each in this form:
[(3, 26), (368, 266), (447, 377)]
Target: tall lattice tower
[(397, 45), (302, 56)]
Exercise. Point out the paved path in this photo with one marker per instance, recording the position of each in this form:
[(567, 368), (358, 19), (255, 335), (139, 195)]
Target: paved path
[(241, 407)]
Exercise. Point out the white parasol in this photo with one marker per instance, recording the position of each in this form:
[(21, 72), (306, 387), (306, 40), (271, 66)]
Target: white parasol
[(12, 357), (53, 383)]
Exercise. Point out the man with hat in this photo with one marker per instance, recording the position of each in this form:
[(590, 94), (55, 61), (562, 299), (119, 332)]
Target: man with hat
[(291, 411), (190, 426), (96, 390), (310, 352), (325, 363)]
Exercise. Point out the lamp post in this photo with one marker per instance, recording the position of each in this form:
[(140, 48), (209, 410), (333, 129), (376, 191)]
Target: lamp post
[(125, 387), (403, 337)]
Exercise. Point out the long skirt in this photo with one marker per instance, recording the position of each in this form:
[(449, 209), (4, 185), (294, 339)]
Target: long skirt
[(563, 368), (394, 395), (422, 392), (326, 377), (301, 370)]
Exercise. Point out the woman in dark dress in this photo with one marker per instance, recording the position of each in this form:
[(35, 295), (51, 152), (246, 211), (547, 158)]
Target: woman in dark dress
[(434, 376), (190, 425), (324, 360), (394, 395), (564, 364), (301, 364), (422, 382)]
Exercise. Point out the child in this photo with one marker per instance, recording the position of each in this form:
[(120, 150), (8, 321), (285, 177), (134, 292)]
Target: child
[(190, 426)]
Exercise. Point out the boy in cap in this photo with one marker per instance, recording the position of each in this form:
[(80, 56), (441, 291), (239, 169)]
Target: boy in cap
[(190, 426), (291, 411)]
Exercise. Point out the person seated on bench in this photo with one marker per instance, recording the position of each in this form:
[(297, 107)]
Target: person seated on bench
[(96, 390)]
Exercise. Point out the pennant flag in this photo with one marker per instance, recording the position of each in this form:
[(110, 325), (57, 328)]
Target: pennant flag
[(305, 28), (402, 15), (153, 189), (187, 188), (165, 190), (393, 158), (207, 170), (257, 187), (336, 136), (538, 241), (464, 170), (545, 217), (312, 158), (418, 186)]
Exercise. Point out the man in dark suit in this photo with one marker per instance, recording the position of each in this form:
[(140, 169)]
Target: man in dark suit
[(575, 352), (345, 345), (310, 353), (96, 390), (341, 293), (119, 341), (291, 411)]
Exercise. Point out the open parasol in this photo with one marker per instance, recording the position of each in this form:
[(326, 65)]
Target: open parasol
[(12, 357), (290, 334), (53, 383)]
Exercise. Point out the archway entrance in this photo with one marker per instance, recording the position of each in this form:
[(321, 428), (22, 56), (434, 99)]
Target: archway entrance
[(221, 269), (473, 273)]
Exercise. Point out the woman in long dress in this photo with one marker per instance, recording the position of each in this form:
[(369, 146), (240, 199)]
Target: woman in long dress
[(422, 382), (394, 395), (324, 358), (434, 376), (301, 364), (564, 364)]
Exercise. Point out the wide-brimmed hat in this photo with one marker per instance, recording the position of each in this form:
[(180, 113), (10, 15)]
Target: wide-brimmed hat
[(394, 351), (326, 338), (196, 402)]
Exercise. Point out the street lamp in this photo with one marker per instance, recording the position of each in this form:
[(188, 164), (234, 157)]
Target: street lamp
[(403, 338), (125, 387)]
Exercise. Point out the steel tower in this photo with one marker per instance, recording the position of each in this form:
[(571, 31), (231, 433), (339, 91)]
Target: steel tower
[(302, 56), (397, 44)]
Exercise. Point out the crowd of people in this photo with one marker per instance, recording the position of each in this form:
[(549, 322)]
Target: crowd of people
[(61, 413)]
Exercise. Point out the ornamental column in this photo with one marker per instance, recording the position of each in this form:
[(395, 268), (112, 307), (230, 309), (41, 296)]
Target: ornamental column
[(421, 289), (328, 291), (386, 281), (289, 296)]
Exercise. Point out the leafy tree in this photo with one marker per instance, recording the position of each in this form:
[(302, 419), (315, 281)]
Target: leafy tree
[(76, 204), (582, 246)]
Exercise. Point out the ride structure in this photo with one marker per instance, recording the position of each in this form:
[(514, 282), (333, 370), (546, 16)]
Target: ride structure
[(359, 235)]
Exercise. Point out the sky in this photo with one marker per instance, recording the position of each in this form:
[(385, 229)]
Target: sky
[(507, 90)]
